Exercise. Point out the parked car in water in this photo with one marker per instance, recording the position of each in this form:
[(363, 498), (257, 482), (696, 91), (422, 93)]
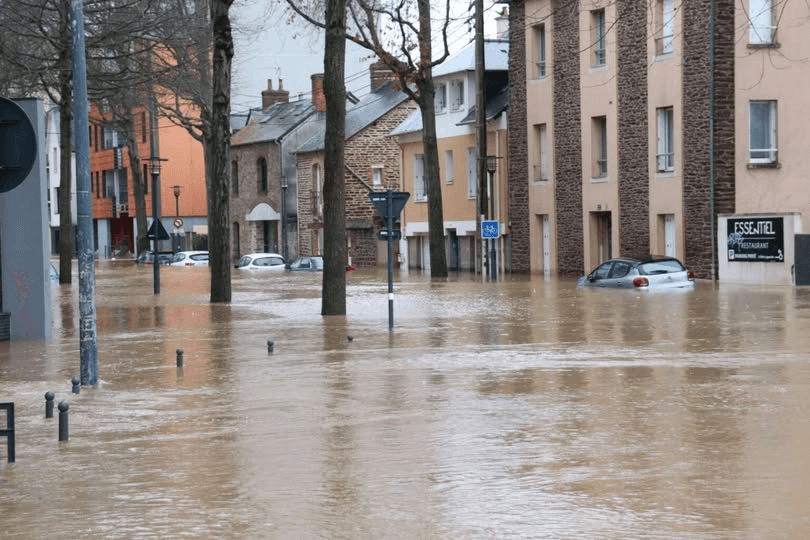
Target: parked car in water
[(190, 258), (148, 257), (262, 262), (652, 272), (306, 264)]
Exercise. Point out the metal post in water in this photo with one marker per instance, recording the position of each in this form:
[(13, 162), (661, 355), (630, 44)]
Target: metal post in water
[(49, 404), (88, 351), (63, 420), (76, 382), (269, 345), (390, 225), (9, 431), (179, 358)]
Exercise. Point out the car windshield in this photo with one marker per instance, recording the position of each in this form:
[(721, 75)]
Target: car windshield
[(268, 261), (661, 267)]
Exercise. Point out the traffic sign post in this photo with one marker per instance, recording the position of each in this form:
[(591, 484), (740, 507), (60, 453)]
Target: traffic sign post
[(389, 205)]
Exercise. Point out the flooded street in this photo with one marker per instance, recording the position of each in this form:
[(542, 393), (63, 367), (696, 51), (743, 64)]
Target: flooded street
[(526, 408)]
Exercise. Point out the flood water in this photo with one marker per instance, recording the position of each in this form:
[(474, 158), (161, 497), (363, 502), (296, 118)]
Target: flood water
[(525, 408)]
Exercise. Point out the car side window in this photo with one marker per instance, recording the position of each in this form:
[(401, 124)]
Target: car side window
[(619, 269), (275, 261), (603, 271)]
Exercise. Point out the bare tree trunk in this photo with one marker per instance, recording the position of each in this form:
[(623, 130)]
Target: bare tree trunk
[(219, 245), (334, 220), (138, 183), (433, 185), (65, 176)]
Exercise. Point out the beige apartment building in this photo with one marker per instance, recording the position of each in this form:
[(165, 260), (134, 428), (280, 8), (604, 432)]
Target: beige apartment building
[(455, 100), (650, 120)]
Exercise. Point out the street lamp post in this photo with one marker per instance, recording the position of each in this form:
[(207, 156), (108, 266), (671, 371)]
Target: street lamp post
[(154, 162), (176, 231), (492, 165), (284, 217)]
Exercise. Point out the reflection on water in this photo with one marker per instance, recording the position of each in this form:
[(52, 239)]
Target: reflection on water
[(523, 408)]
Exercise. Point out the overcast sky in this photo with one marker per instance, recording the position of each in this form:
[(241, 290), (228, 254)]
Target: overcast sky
[(267, 47)]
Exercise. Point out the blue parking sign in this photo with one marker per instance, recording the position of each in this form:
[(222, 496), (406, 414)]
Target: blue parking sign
[(489, 229)]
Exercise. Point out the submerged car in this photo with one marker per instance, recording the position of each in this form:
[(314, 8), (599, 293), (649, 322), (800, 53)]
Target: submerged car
[(306, 264), (262, 261), (148, 257), (190, 258), (652, 272)]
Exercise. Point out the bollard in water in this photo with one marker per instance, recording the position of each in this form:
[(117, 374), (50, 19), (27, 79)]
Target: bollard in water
[(76, 384), (63, 420), (49, 404), (269, 345), (179, 358)]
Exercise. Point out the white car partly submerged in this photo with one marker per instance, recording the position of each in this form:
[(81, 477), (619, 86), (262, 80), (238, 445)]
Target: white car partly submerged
[(262, 262)]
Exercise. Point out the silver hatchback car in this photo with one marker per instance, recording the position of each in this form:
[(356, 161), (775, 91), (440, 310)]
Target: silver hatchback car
[(653, 272)]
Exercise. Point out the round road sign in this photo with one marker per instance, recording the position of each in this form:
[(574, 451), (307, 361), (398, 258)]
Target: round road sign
[(18, 145)]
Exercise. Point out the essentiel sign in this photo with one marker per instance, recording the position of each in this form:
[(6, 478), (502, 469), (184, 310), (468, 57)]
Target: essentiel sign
[(756, 239)]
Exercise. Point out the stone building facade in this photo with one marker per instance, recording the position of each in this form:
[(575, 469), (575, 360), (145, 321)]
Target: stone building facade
[(372, 163)]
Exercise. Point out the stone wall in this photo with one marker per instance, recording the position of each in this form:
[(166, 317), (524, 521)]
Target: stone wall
[(567, 137), (633, 129), (519, 217), (247, 158), (697, 185)]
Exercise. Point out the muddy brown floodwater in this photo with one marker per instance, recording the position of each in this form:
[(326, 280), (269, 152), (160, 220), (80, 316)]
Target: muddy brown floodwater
[(525, 408)]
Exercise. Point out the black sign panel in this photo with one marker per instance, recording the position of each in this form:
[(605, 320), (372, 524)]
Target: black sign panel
[(161, 231), (756, 239), (380, 201), (18, 145)]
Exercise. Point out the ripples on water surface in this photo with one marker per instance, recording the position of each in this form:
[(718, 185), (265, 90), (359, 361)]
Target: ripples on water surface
[(520, 409)]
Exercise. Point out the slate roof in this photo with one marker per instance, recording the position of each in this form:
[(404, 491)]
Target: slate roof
[(273, 123), (371, 107), (496, 105), (496, 58)]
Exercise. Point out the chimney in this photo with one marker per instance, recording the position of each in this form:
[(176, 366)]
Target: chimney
[(318, 97), (380, 74), (270, 96), (502, 25)]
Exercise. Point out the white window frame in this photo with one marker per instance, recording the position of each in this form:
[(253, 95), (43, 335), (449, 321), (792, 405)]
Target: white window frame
[(599, 152), (541, 167), (761, 28), (759, 153), (665, 10), (472, 173), (419, 193), (448, 166), (665, 157), (440, 98), (598, 34), (540, 50), (456, 94), (376, 175)]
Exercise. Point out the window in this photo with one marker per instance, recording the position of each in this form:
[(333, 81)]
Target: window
[(472, 173), (448, 166), (419, 178), (98, 184), (440, 98), (760, 16), (317, 191), (664, 15), (666, 148), (541, 153), (262, 175), (376, 175), (598, 36), (540, 51), (762, 134), (599, 147), (58, 199), (456, 94), (235, 177), (111, 139)]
